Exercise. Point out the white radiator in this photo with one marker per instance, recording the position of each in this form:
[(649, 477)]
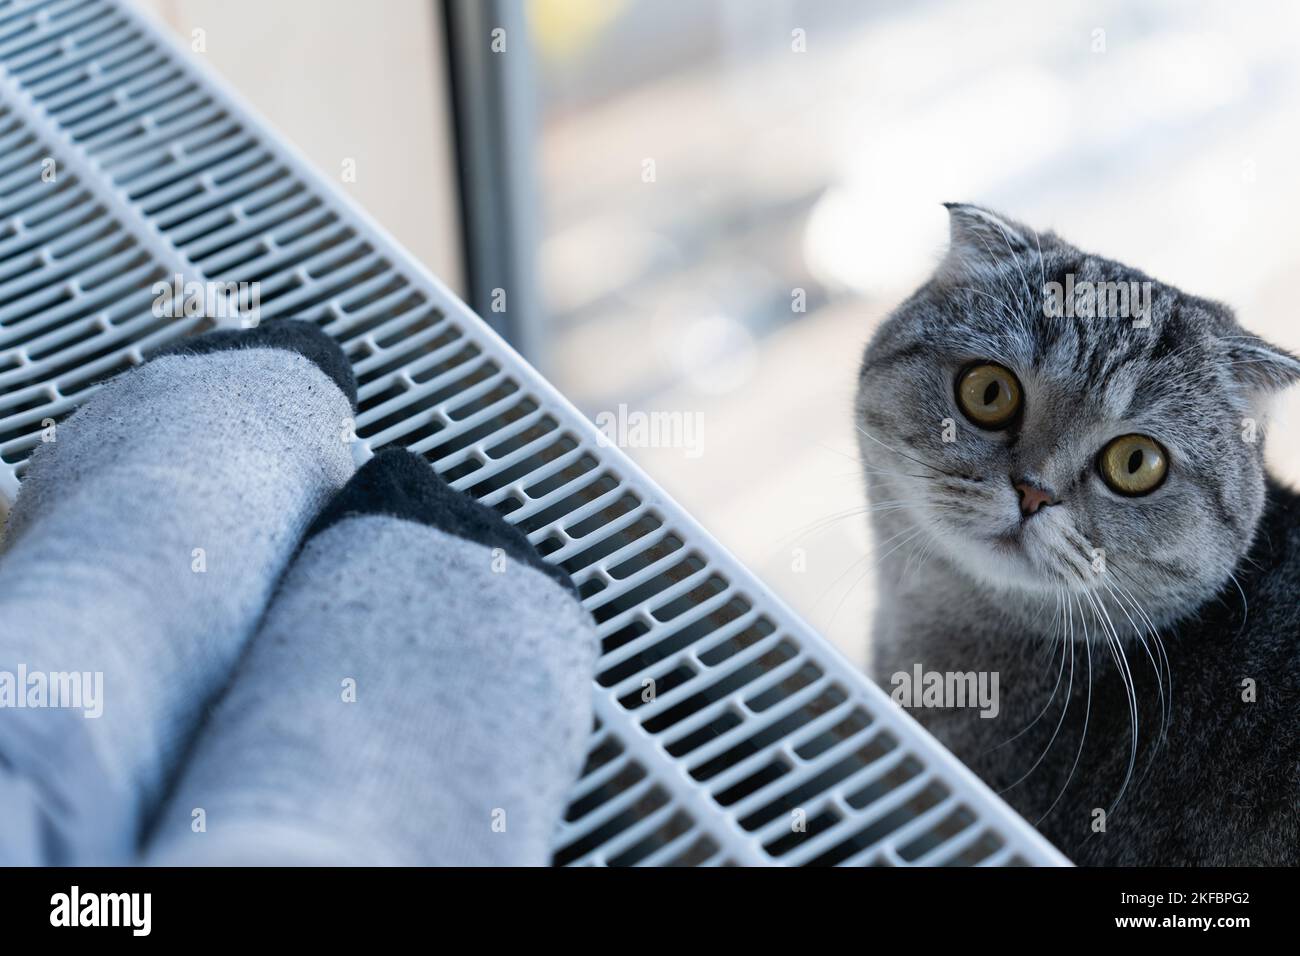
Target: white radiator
[(124, 163)]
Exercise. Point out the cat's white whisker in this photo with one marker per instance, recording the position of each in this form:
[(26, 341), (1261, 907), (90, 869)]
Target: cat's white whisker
[(1167, 717), (1066, 649), (834, 518), (1160, 684), (1245, 605), (862, 577), (863, 558), (923, 464), (1087, 710), (1126, 677)]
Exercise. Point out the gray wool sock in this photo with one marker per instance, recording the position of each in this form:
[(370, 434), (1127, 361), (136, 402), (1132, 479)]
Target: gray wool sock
[(144, 544), (419, 694)]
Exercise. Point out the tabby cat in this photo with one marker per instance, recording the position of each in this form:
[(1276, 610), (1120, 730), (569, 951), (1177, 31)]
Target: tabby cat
[(1065, 464)]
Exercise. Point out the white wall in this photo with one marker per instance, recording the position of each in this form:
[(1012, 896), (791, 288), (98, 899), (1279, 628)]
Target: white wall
[(347, 80)]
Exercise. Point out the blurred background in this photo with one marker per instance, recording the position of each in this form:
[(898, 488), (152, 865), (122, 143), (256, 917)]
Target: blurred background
[(706, 206)]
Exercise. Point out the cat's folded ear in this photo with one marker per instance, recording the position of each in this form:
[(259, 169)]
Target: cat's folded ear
[(979, 239), (1258, 365)]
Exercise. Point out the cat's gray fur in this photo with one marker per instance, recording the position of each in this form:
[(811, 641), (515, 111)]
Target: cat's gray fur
[(1209, 561)]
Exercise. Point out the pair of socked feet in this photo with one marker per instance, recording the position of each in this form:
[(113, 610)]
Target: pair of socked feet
[(302, 662)]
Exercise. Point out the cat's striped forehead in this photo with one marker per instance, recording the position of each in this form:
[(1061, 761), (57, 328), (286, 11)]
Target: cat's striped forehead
[(1160, 352), (1098, 341)]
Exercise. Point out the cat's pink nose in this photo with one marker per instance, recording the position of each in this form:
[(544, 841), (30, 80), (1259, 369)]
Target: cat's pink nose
[(1032, 497)]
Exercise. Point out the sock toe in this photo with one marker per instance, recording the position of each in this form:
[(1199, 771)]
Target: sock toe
[(408, 693), (294, 335), (141, 553), (401, 484)]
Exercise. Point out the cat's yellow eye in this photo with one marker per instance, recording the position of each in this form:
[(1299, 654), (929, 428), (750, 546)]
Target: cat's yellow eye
[(989, 395), (1133, 464)]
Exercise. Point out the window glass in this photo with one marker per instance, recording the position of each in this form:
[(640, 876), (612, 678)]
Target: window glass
[(733, 194)]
